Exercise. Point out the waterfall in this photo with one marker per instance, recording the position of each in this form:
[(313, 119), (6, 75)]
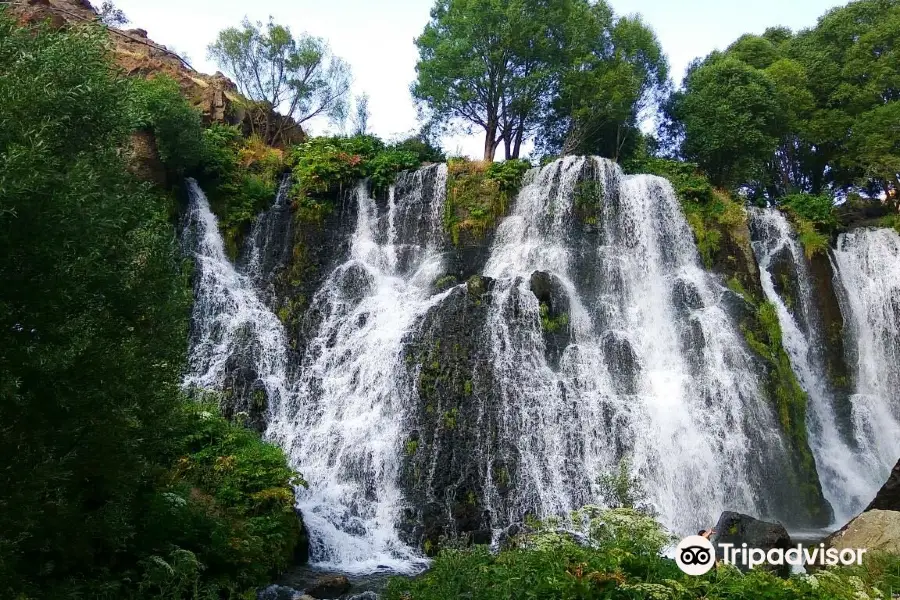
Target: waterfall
[(654, 370), (342, 424), (231, 328), (848, 479), (867, 262), (270, 240), (598, 336)]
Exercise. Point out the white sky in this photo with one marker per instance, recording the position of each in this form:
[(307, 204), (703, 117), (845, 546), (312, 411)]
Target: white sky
[(376, 38)]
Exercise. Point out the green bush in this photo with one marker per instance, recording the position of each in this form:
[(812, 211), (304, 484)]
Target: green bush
[(816, 209), (159, 106), (325, 165), (622, 561), (240, 177), (228, 501), (422, 148), (815, 219), (110, 488), (478, 194)]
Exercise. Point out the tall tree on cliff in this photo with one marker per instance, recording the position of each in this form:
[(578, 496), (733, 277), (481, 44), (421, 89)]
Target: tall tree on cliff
[(297, 76), (811, 112), (613, 69), (487, 64), (511, 67)]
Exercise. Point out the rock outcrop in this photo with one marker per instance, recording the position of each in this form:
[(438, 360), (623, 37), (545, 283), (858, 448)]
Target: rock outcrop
[(874, 530), (888, 497), (215, 96), (877, 527), (737, 529)]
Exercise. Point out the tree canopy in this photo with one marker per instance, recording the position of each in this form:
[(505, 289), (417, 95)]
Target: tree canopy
[(297, 75), (807, 112), (568, 69)]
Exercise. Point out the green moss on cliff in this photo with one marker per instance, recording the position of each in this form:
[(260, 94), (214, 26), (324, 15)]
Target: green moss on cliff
[(550, 323), (478, 195)]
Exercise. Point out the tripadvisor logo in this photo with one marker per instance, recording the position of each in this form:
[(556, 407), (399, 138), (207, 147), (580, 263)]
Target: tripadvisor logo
[(696, 555)]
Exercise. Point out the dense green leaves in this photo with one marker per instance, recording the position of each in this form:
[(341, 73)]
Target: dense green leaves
[(621, 561), (91, 311), (512, 67), (160, 107), (110, 486), (296, 75), (781, 113), (326, 165)]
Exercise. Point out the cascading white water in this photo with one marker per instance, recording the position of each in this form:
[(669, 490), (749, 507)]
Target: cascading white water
[(270, 239), (229, 319), (693, 421), (848, 479), (342, 424), (867, 262)]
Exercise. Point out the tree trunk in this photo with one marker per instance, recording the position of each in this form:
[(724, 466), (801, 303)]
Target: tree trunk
[(490, 142)]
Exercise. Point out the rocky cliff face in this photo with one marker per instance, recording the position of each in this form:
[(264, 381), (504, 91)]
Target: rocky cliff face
[(215, 96)]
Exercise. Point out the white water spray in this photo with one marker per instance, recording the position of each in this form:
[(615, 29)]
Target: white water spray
[(848, 479), (867, 262), (342, 426), (229, 320), (693, 421)]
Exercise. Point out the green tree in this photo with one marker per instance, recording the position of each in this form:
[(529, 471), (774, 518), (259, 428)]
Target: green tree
[(296, 75), (813, 112), (92, 312), (614, 70), (731, 119), (488, 64)]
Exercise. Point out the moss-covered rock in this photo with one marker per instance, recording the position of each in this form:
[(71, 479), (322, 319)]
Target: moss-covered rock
[(450, 371)]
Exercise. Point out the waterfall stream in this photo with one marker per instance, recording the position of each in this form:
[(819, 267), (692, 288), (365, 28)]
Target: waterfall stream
[(655, 370), (848, 479), (867, 262), (601, 338), (342, 424), (229, 319)]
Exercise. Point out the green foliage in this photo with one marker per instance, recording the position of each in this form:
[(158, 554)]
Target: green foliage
[(623, 561), (550, 323), (731, 119), (611, 68), (228, 500), (688, 181), (325, 165), (815, 219), (818, 209), (275, 69), (240, 177), (94, 307), (622, 489), (422, 148), (574, 71), (809, 112), (160, 107), (478, 194)]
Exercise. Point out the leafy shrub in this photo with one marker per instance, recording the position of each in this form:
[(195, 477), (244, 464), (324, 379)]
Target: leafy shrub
[(621, 559), (159, 106), (424, 151), (240, 177), (819, 210), (325, 165), (385, 166), (814, 218), (228, 501), (686, 178), (478, 194)]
